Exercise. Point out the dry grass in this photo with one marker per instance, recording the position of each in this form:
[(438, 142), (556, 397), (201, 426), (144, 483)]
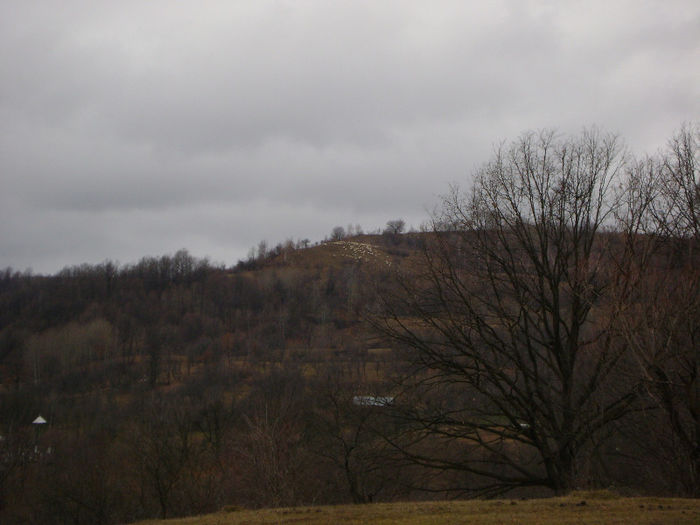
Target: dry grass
[(579, 508)]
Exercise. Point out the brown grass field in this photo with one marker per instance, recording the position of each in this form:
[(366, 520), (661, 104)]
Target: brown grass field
[(601, 507)]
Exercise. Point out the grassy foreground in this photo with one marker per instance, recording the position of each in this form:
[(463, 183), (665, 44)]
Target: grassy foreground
[(600, 507)]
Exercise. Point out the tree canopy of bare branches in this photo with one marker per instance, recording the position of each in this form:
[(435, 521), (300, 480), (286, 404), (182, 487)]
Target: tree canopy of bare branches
[(663, 329), (509, 322)]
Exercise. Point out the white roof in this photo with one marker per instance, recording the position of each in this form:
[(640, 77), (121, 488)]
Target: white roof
[(373, 401), (39, 421)]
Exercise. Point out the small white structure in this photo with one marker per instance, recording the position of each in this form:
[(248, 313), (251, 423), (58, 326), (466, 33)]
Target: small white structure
[(39, 421), (373, 401)]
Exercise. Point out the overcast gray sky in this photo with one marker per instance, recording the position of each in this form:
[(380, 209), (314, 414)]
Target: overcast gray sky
[(137, 128)]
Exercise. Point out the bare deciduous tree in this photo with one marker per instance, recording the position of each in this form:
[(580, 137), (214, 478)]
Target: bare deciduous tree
[(348, 429), (395, 227), (663, 328), (508, 324)]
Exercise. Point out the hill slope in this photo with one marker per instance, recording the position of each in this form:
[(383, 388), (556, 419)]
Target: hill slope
[(579, 508)]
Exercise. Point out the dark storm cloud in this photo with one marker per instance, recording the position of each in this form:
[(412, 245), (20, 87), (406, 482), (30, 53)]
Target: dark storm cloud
[(137, 128)]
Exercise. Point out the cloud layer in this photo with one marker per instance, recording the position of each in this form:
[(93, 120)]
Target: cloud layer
[(138, 128)]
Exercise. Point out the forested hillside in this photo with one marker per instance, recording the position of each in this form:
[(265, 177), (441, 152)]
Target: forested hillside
[(541, 336), (172, 386)]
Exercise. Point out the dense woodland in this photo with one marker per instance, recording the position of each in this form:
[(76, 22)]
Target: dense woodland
[(172, 386), (543, 334)]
